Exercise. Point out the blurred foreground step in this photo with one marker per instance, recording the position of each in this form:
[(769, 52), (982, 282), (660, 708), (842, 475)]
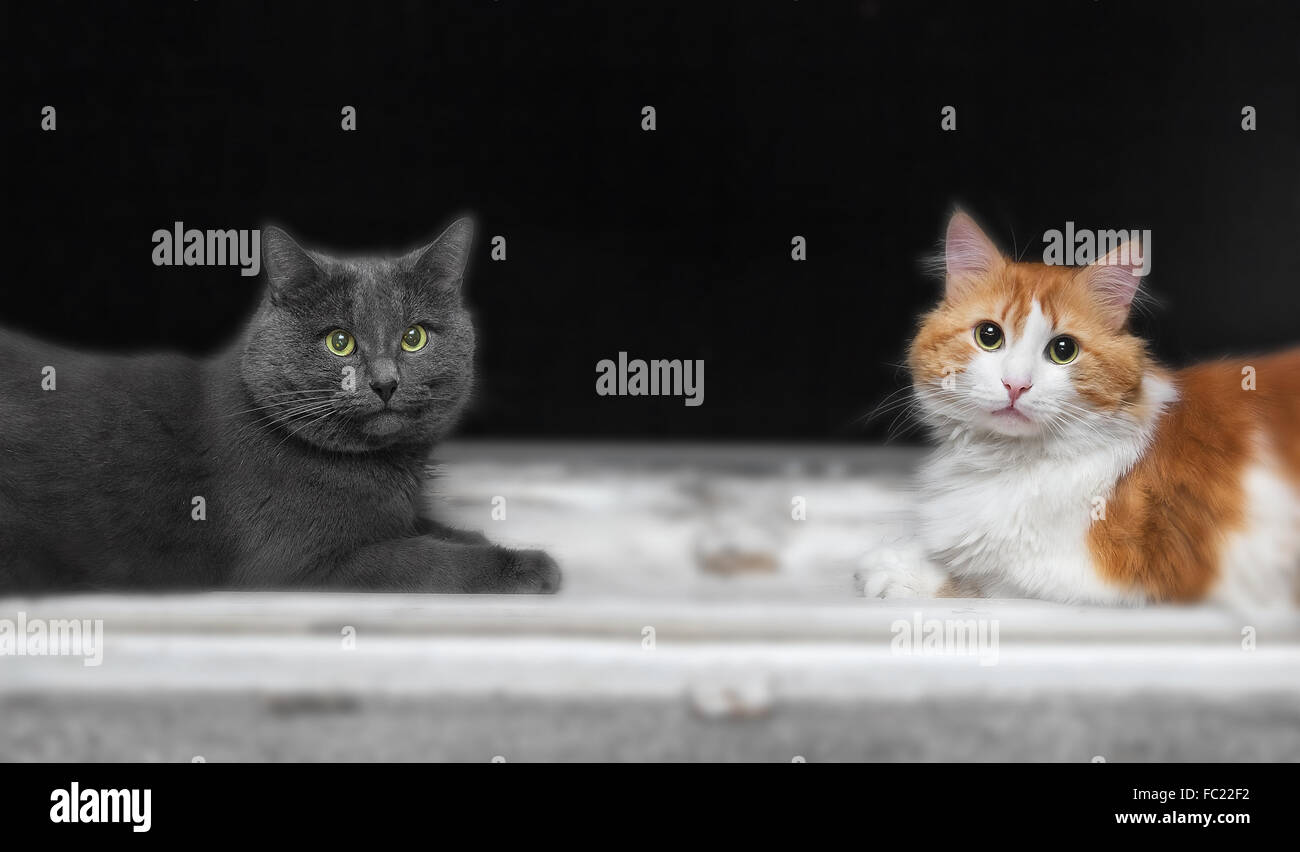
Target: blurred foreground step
[(398, 677)]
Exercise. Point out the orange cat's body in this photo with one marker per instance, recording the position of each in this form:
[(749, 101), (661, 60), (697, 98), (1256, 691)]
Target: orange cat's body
[(1171, 518), (1071, 466)]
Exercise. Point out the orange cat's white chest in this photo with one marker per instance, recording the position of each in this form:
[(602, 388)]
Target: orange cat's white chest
[(1017, 526)]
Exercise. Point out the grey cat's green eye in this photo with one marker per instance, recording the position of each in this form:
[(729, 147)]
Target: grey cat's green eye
[(340, 342), (414, 338), (1063, 349), (989, 336)]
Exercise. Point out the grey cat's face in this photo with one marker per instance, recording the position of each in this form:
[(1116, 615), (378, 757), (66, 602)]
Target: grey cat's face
[(360, 354)]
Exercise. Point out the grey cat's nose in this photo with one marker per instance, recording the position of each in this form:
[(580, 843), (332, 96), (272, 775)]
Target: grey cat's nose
[(384, 389)]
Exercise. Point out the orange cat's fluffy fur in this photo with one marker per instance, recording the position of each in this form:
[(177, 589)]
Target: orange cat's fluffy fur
[(1073, 467)]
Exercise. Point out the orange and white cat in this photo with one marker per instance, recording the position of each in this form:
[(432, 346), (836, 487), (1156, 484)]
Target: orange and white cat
[(1072, 467)]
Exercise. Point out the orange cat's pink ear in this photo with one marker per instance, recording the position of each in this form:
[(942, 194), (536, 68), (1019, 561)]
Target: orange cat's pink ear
[(967, 254), (1114, 281)]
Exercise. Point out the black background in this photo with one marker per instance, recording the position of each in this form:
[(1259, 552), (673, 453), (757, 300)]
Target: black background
[(775, 118)]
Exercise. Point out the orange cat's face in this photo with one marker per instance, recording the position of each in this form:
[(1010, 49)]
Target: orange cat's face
[(1026, 349)]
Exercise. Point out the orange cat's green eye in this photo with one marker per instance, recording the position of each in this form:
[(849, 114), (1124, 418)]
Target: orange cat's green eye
[(989, 336), (1063, 349), (414, 338), (340, 342)]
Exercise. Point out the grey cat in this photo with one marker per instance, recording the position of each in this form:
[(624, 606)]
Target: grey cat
[(292, 459)]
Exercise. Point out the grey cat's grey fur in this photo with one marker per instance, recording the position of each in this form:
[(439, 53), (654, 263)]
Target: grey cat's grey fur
[(304, 483)]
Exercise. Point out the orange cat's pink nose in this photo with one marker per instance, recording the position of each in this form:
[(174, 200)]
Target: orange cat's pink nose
[(1015, 387)]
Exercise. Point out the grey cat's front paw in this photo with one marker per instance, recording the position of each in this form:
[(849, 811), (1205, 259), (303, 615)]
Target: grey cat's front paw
[(529, 572)]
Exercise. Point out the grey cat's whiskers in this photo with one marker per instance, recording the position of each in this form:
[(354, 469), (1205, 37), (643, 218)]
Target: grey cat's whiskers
[(289, 408), (284, 416), (303, 390), (282, 403), (300, 412), (314, 396), (305, 426)]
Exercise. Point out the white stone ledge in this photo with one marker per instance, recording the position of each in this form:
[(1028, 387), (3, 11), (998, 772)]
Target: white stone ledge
[(593, 650)]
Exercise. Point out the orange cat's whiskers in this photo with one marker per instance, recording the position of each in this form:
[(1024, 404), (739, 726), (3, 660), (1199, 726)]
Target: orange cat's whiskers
[(901, 398)]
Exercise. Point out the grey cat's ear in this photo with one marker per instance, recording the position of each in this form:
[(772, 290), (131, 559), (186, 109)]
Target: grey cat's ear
[(444, 260), (288, 266)]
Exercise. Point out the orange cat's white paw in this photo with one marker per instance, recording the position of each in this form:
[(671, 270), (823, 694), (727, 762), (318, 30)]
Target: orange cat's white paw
[(898, 572)]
